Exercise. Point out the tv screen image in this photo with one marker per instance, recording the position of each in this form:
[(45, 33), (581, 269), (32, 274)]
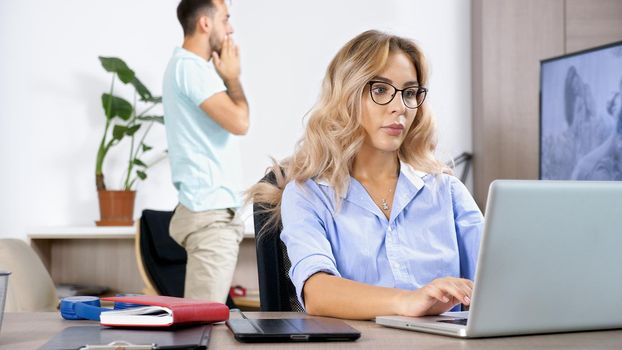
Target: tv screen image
[(581, 115)]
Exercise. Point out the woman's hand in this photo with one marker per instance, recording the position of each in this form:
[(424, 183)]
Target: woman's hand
[(435, 297)]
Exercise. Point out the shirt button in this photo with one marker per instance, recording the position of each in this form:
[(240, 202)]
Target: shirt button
[(390, 229)]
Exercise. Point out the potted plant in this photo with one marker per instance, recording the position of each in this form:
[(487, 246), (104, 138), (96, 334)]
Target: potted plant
[(123, 121)]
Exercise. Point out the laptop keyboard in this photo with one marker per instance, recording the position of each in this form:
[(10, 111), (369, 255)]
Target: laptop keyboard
[(460, 321)]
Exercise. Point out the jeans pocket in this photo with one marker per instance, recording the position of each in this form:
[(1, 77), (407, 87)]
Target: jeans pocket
[(178, 225), (237, 224)]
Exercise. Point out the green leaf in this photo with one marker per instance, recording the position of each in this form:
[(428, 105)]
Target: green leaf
[(154, 99), (141, 174), (139, 163), (132, 130), (151, 118), (116, 65), (145, 94), (118, 107), (118, 132), (146, 148)]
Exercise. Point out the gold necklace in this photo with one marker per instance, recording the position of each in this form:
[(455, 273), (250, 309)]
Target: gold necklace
[(385, 205)]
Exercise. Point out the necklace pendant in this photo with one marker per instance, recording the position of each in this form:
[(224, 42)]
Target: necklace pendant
[(385, 206)]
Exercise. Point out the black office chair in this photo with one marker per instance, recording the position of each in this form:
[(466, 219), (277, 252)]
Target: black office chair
[(465, 158), (161, 261), (276, 291)]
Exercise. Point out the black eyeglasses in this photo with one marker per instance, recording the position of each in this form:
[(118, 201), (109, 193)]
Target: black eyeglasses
[(383, 93)]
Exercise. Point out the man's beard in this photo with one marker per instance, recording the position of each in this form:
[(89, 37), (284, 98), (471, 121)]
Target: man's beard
[(215, 44)]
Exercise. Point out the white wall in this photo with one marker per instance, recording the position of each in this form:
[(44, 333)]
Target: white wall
[(51, 81)]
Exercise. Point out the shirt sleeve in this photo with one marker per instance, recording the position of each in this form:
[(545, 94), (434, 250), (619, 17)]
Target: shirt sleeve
[(469, 223), (198, 81), (308, 248)]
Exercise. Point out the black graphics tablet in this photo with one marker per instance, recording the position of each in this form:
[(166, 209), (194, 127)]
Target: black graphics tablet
[(291, 330)]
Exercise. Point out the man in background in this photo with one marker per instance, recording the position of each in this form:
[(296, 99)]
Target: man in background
[(204, 108)]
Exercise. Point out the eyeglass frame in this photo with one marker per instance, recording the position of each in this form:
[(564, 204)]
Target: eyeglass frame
[(419, 88)]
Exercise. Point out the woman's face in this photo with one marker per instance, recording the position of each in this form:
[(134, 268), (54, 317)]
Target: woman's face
[(386, 125)]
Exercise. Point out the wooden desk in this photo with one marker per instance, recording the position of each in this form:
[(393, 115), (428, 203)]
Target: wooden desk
[(32, 330), (105, 256)]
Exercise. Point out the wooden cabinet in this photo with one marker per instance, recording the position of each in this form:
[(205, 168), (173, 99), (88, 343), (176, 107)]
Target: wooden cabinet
[(105, 256)]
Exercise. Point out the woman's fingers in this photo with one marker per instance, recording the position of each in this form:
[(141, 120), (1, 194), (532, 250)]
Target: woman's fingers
[(454, 291), (460, 289), (436, 293), (465, 290), (468, 289), (468, 283)]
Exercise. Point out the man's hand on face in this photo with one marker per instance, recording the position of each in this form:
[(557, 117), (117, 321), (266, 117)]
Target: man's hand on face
[(228, 62)]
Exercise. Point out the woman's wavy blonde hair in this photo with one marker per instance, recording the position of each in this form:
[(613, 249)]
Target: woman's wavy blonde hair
[(334, 134)]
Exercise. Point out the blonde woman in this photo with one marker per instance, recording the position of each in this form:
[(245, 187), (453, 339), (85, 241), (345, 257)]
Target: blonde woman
[(373, 223)]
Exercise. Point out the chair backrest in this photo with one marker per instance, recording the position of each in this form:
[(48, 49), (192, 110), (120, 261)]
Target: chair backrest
[(30, 287), (276, 291), (465, 158), (161, 260)]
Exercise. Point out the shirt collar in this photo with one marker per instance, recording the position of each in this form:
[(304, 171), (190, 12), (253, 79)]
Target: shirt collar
[(415, 177)]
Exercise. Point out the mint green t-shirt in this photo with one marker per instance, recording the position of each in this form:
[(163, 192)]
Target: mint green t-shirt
[(204, 157)]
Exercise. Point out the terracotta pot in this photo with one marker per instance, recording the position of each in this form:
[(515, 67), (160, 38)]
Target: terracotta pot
[(116, 208)]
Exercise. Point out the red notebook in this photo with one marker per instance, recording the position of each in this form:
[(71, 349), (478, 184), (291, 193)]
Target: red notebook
[(162, 311)]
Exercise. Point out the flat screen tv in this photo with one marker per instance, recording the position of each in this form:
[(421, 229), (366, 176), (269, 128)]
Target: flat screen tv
[(581, 115)]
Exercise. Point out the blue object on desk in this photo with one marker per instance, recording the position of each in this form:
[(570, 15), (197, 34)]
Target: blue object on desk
[(87, 307)]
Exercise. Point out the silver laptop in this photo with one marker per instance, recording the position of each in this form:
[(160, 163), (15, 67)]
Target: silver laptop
[(550, 261)]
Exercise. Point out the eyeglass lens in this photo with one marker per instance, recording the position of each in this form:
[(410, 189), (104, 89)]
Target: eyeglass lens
[(383, 93)]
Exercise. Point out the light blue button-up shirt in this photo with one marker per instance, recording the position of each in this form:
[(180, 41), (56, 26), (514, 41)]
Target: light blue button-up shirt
[(434, 230)]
